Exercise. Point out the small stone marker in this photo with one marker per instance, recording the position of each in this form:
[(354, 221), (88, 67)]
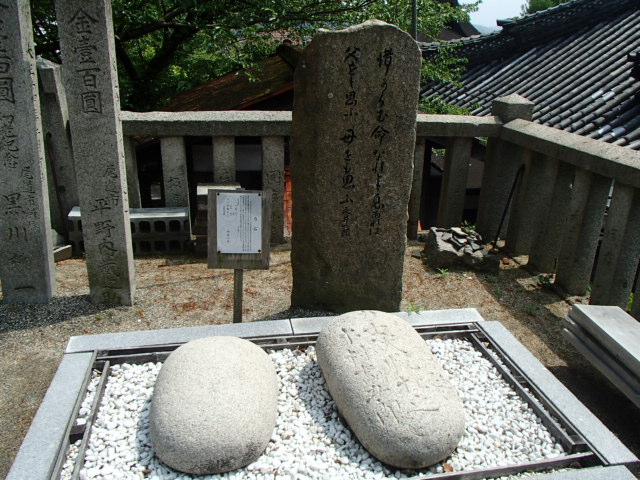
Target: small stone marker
[(353, 139), (389, 387), (90, 80), (214, 406), (26, 256)]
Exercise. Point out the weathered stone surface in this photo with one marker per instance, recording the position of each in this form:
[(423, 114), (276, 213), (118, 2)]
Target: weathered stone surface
[(91, 84), (214, 405), (174, 172), (26, 258), (55, 119), (445, 248), (352, 154), (390, 388)]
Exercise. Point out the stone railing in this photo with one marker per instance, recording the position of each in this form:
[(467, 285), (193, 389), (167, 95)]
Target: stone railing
[(223, 127), (576, 204), (561, 213), (273, 127), (575, 207)]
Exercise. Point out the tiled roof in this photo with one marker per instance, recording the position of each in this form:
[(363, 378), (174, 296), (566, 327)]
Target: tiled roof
[(577, 62)]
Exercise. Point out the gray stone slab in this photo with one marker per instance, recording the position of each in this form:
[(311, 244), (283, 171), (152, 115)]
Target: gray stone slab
[(442, 317), (602, 158), (591, 348), (546, 248), (141, 338), (457, 126), (131, 164), (581, 237), (531, 202), (353, 140), (273, 179), (616, 373), (174, 172), (454, 181), (619, 249), (39, 450), (231, 123), (55, 119), (312, 325), (617, 331), (91, 83), (224, 159), (26, 256), (308, 326), (415, 197), (601, 440), (62, 253), (595, 473)]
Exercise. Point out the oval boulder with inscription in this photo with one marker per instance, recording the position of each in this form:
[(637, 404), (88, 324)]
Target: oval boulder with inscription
[(391, 390), (214, 405)]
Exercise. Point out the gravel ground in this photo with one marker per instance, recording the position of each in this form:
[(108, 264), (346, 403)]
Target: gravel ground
[(180, 291)]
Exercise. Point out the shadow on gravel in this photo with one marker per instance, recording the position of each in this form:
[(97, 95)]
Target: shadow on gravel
[(296, 312), (60, 309)]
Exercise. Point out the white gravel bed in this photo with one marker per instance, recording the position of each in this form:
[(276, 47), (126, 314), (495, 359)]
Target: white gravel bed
[(310, 441)]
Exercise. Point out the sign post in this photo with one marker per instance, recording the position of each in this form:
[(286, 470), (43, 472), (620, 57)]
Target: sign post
[(239, 233)]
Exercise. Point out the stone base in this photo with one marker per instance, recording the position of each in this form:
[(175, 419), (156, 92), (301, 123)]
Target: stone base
[(48, 434), (62, 253)]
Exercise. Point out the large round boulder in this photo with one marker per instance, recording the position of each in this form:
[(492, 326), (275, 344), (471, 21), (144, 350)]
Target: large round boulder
[(214, 406), (391, 390)]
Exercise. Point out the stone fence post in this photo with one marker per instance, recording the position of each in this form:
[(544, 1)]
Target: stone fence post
[(57, 139), (502, 161), (26, 256), (90, 79)]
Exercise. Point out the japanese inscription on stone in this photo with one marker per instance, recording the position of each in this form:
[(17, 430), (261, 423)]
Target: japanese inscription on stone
[(90, 80), (352, 158), (26, 262)]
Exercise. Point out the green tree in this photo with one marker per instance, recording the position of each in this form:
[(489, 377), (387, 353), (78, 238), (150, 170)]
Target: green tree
[(166, 46), (533, 6)]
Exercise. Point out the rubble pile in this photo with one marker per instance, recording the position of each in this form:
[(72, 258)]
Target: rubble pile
[(456, 246)]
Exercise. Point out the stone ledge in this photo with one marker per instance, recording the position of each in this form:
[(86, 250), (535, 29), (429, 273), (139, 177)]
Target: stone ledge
[(603, 442), (228, 123), (602, 158), (37, 455), (109, 341)]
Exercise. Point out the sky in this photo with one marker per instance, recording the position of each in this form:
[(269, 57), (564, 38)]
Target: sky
[(492, 10)]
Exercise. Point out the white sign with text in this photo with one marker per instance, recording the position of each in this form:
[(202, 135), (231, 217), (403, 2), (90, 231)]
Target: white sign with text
[(239, 222)]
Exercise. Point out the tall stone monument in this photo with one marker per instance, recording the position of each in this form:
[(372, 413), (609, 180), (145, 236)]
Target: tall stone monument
[(353, 140), (26, 253), (91, 82)]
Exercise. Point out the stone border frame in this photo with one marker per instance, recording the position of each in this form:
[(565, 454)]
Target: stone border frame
[(38, 453)]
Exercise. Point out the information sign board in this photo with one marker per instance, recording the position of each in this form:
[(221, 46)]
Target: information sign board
[(239, 228)]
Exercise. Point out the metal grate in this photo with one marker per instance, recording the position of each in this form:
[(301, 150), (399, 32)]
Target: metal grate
[(579, 454)]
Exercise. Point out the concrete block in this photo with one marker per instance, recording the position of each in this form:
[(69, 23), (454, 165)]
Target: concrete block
[(618, 332)]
